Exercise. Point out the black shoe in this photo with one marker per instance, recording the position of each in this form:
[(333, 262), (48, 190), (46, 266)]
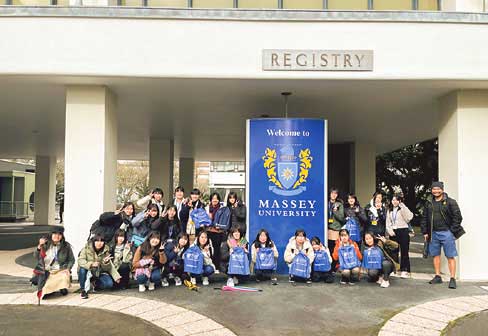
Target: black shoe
[(84, 294), (436, 280), (452, 283), (64, 291)]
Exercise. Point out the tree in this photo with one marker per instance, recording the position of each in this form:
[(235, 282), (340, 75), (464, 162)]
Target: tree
[(132, 180), (410, 171)]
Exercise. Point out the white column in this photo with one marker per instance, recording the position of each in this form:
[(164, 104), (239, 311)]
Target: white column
[(90, 159), (45, 190), (161, 162), (462, 168), (364, 172), (463, 5), (187, 173)]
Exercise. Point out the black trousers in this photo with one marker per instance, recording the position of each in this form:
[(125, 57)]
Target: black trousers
[(374, 274), (124, 271), (402, 237), (331, 245), (217, 238)]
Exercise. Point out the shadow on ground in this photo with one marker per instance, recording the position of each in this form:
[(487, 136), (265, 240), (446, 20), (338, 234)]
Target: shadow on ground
[(50, 320)]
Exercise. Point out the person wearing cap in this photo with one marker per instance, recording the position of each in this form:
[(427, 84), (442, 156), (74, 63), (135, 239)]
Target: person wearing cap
[(55, 259), (441, 226)]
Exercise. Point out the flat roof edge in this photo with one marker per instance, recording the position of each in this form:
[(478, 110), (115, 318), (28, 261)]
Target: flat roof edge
[(245, 14)]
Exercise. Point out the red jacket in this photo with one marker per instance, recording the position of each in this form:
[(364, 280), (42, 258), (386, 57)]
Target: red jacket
[(335, 255)]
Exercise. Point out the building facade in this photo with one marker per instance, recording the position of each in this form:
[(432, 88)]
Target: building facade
[(95, 81)]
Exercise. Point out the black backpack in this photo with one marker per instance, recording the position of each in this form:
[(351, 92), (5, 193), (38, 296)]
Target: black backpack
[(106, 230)]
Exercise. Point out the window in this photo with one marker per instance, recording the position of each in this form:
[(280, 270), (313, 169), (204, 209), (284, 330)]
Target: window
[(303, 4), (213, 3), (347, 4), (392, 5), (167, 3), (258, 3), (428, 5)]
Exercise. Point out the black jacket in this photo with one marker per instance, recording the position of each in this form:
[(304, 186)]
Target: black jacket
[(238, 217), (380, 227), (164, 224), (360, 216), (450, 212)]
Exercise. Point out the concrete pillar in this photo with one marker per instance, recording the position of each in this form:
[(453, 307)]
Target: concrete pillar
[(364, 171), (464, 5), (45, 191), (462, 167), (161, 162), (90, 159), (187, 173)]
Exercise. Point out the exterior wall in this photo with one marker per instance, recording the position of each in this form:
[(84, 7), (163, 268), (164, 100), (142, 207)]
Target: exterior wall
[(462, 167), (187, 48)]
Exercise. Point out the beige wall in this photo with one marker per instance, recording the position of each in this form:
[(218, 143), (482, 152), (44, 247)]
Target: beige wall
[(45, 190), (161, 163), (364, 172), (462, 167)]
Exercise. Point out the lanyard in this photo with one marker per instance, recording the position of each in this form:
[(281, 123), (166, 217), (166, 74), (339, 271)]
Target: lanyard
[(393, 219), (331, 206)]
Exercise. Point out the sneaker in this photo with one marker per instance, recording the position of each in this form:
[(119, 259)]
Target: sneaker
[(274, 281), (177, 281), (171, 276), (352, 283), (142, 288), (380, 280), (151, 286), (404, 275), (165, 282), (436, 280), (236, 281), (84, 294), (193, 281), (230, 282), (452, 283), (64, 292), (217, 271), (205, 281), (290, 279), (309, 282), (385, 284), (343, 283)]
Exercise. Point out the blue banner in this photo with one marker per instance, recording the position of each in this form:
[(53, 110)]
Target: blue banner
[(286, 179)]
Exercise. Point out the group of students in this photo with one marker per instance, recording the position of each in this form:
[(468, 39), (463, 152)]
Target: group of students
[(188, 241)]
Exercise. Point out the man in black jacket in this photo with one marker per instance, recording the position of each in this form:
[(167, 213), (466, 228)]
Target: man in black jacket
[(441, 226)]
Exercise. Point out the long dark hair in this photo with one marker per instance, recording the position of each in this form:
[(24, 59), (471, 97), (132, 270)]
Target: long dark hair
[(375, 240), (119, 233), (269, 242), (97, 237), (233, 195), (152, 206), (181, 235), (127, 204), (197, 239), (356, 202), (146, 248), (399, 198)]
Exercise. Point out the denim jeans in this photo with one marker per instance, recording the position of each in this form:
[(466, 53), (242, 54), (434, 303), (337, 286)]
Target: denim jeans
[(155, 277), (104, 281), (207, 271)]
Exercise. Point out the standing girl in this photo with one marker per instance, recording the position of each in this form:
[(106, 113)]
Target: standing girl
[(397, 220), (215, 234), (355, 218), (376, 215), (336, 220), (238, 215)]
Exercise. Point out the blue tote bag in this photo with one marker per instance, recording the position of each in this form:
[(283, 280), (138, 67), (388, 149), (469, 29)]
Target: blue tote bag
[(300, 266), (193, 260), (348, 258), (352, 226), (200, 217), (372, 258), (238, 262), (265, 259), (321, 262)]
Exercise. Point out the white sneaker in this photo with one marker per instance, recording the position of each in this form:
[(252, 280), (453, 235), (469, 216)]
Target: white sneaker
[(385, 284), (142, 288), (380, 280), (171, 276), (177, 281), (205, 281), (217, 272), (193, 281), (151, 286), (230, 282), (404, 275), (236, 281), (165, 282)]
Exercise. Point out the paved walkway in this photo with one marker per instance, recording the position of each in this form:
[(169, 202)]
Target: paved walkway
[(176, 320), (431, 318)]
